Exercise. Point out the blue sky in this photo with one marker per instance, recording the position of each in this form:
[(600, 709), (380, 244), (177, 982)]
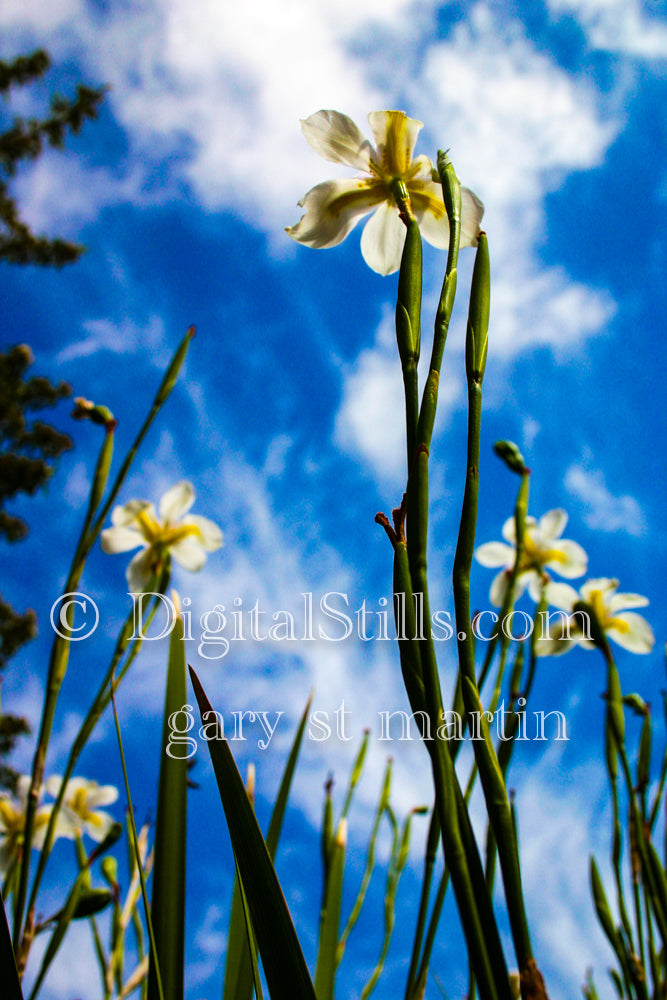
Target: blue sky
[(288, 418)]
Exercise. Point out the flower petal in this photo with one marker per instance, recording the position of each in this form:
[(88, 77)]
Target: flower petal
[(382, 240), (472, 210), (189, 554), (561, 595), (637, 638), (395, 137), (120, 539), (430, 212), (126, 515), (619, 601), (551, 526), (499, 587), (569, 559), (336, 137), (98, 825), (333, 209), (176, 501), (493, 554), (209, 534), (602, 584), (138, 574)]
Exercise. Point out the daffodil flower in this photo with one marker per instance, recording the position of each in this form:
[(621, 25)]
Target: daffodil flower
[(626, 628), (80, 805), (186, 536), (543, 548), (12, 824), (332, 209)]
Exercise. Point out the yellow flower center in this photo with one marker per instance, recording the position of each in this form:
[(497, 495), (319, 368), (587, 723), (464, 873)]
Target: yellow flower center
[(596, 600), (166, 535), (534, 557)]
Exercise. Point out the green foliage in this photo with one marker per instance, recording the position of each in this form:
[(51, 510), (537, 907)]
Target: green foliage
[(26, 140), (27, 447)]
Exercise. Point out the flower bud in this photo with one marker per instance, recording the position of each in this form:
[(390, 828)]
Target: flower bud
[(508, 452)]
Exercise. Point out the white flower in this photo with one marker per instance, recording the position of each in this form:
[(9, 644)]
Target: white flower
[(80, 805), (542, 548), (12, 824), (332, 209), (187, 538), (628, 629)]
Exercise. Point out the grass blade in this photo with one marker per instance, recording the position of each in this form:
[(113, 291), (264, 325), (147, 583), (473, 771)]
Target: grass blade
[(238, 966), (325, 974), (168, 906), (285, 968), (9, 977)]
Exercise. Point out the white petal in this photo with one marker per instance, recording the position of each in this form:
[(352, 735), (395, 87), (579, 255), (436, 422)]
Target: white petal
[(554, 646), (126, 515), (603, 584), (99, 795), (98, 825), (333, 209), (53, 784), (395, 137), (551, 525), (422, 169), (574, 562), (382, 240), (472, 211), (336, 137), (430, 212), (499, 588), (509, 529), (535, 582), (561, 595), (138, 573), (210, 535), (638, 639), (493, 554), (22, 789), (189, 554), (121, 539), (176, 501), (619, 601)]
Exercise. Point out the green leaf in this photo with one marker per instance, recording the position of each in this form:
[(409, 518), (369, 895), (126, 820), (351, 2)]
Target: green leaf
[(325, 973), (284, 965), (168, 904), (65, 917), (9, 977), (238, 966)]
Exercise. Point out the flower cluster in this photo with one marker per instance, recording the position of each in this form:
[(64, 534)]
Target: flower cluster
[(171, 531), (79, 814), (389, 172), (544, 549)]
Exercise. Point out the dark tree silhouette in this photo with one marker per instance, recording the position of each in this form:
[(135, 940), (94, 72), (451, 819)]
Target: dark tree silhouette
[(28, 446)]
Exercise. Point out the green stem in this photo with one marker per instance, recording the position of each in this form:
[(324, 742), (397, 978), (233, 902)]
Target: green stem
[(95, 712)]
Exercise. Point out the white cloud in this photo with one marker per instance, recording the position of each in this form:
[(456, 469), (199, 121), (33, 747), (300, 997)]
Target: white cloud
[(604, 511), (560, 820), (517, 125), (58, 193), (618, 26), (370, 422), (126, 337)]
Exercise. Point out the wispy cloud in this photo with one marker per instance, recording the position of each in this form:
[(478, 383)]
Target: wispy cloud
[(603, 510), (122, 338), (618, 26)]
